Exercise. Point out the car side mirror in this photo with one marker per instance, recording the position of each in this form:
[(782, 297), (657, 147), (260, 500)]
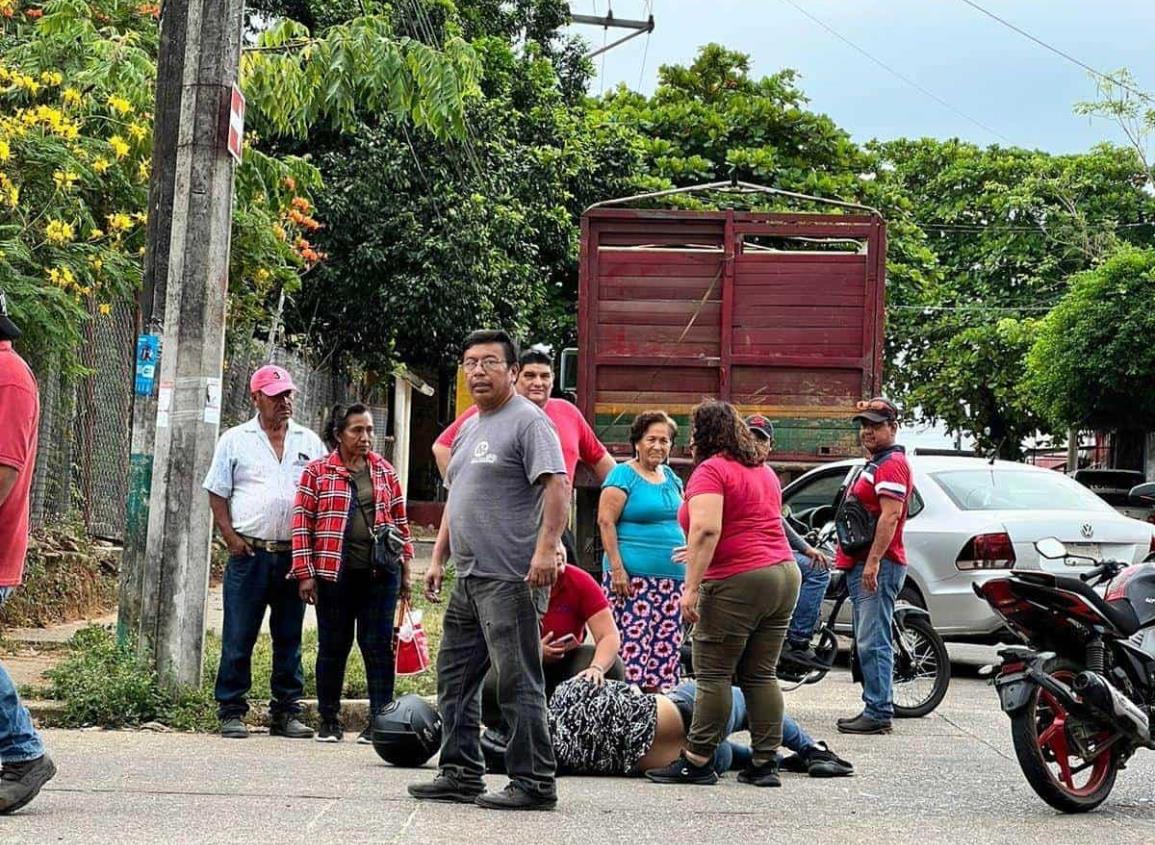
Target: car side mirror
[(1051, 548), (1142, 495)]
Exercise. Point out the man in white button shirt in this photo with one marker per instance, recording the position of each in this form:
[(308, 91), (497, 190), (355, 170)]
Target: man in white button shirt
[(252, 484)]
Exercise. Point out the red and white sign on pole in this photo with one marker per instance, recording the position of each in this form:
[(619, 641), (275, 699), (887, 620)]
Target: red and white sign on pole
[(236, 123)]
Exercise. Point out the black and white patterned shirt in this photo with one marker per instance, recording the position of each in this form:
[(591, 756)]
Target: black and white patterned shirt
[(602, 730)]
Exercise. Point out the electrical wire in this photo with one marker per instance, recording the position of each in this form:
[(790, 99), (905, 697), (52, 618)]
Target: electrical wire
[(897, 74), (997, 227), (1143, 95)]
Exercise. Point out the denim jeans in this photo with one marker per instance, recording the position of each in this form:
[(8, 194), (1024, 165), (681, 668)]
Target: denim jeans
[(19, 740), (366, 599), (815, 580), (489, 621), (253, 583), (873, 636), (735, 755)]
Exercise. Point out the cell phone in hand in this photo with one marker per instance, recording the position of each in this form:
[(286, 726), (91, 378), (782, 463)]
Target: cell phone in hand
[(565, 639)]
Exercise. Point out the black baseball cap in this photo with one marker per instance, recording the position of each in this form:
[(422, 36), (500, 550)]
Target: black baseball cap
[(760, 425), (8, 330), (876, 410)]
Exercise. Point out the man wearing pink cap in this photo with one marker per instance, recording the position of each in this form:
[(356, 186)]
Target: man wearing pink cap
[(251, 484)]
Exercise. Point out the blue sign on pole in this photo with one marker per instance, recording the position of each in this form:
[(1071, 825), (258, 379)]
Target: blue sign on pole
[(147, 360)]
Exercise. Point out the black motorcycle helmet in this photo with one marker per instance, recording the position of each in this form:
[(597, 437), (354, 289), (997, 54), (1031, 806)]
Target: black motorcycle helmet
[(407, 732)]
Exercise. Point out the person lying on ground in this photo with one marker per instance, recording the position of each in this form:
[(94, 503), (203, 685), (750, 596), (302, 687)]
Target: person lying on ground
[(615, 729)]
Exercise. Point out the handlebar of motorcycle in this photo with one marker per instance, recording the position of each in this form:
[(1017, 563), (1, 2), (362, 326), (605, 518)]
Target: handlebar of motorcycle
[(1107, 567)]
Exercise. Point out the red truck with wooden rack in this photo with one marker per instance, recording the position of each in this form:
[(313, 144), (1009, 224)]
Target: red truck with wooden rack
[(778, 313)]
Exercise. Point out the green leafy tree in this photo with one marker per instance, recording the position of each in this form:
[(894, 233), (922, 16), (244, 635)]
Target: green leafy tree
[(77, 85), (429, 237), (1093, 363), (1007, 227)]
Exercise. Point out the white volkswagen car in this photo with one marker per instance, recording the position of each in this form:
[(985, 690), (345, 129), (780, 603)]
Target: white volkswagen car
[(971, 519)]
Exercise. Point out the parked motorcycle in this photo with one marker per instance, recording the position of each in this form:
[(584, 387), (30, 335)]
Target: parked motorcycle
[(1080, 693)]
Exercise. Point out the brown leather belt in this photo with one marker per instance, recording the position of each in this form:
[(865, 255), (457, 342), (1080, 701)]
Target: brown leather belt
[(272, 546)]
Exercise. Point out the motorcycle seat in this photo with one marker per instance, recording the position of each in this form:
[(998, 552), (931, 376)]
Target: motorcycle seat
[(1120, 614)]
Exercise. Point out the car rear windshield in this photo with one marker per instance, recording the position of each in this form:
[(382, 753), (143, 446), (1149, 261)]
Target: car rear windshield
[(996, 489)]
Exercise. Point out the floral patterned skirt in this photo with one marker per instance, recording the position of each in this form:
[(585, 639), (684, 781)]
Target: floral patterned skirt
[(650, 623)]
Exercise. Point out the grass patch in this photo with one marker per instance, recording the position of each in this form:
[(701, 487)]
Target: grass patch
[(67, 575), (102, 683)]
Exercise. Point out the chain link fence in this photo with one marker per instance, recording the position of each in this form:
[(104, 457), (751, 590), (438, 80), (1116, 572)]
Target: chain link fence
[(82, 466)]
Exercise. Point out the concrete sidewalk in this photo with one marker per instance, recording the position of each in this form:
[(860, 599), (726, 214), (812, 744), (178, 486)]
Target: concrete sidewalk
[(950, 777)]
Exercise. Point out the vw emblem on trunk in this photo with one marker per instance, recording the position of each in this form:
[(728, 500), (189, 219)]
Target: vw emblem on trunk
[(1088, 530)]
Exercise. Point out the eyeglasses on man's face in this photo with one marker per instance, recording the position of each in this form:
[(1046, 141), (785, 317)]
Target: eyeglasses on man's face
[(490, 365)]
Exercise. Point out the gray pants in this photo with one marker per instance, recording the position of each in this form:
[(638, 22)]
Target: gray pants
[(491, 622)]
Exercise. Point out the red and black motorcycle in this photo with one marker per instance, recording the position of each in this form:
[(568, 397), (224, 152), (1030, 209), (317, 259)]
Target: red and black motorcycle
[(1080, 693)]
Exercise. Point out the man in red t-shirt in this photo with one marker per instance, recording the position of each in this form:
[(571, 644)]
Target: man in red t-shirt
[(579, 444), (875, 575), (26, 766)]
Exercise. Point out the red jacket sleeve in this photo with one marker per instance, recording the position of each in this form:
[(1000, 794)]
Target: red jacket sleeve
[(304, 522), (892, 479)]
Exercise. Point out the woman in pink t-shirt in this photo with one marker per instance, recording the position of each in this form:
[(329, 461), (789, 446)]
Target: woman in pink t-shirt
[(740, 589)]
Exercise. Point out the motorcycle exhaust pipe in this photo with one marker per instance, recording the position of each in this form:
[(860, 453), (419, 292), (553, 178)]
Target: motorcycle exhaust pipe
[(1102, 695)]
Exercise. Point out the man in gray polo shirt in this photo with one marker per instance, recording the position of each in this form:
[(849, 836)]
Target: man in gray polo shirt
[(508, 498)]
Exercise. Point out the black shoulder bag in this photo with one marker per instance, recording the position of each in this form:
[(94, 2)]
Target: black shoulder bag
[(388, 544)]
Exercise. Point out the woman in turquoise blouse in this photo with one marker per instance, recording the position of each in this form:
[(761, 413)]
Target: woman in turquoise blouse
[(644, 549)]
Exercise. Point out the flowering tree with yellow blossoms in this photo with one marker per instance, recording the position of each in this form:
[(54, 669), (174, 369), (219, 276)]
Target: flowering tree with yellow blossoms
[(77, 87)]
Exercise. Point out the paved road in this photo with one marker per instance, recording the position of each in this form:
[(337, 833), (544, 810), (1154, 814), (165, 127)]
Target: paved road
[(948, 778)]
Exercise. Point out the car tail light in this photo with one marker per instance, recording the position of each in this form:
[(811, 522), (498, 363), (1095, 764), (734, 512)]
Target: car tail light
[(987, 551)]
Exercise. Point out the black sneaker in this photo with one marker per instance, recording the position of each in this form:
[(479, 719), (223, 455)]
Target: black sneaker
[(818, 761), (330, 731), (366, 736), (863, 724), (447, 788), (21, 782), (234, 728), (798, 764), (288, 725), (824, 763), (514, 797), (801, 653), (683, 771), (764, 775)]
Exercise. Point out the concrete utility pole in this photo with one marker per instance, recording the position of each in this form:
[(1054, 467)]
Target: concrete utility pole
[(164, 580)]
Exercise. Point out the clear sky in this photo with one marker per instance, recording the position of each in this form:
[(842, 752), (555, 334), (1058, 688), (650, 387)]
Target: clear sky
[(979, 67)]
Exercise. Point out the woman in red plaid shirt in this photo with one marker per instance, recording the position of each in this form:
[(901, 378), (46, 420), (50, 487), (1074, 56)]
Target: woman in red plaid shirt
[(344, 501)]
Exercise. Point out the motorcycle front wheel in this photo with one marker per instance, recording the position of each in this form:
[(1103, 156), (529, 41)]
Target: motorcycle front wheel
[(921, 668), (1067, 762)]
